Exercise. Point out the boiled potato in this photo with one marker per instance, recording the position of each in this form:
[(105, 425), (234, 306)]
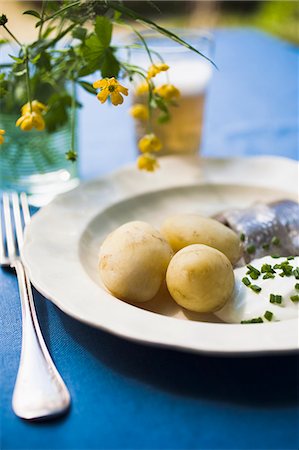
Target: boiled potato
[(200, 278), (133, 261), (188, 229)]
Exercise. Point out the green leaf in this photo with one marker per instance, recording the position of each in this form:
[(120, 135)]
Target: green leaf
[(150, 24), (3, 41), (16, 59), (160, 103), (31, 12), (92, 53), (79, 33), (20, 73), (88, 69), (47, 32), (44, 61), (57, 114), (117, 16), (87, 87), (110, 66), (103, 28), (163, 118), (35, 59)]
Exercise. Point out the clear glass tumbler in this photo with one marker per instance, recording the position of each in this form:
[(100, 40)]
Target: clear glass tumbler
[(190, 73)]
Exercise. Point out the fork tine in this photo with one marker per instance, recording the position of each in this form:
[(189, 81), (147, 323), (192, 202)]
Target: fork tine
[(17, 218), (11, 249), (25, 207)]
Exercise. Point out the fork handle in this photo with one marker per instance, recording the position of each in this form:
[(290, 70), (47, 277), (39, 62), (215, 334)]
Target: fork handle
[(39, 391)]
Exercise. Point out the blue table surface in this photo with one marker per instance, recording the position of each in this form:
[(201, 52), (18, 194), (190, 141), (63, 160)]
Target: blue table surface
[(130, 396)]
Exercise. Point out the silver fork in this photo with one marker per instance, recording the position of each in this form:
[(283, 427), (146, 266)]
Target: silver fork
[(39, 392)]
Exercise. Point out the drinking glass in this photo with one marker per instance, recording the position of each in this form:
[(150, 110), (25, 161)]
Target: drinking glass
[(190, 73)]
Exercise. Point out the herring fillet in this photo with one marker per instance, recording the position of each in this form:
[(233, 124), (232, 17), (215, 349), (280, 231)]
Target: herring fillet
[(260, 223)]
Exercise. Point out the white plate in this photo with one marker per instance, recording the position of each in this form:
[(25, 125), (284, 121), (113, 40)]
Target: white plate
[(63, 239)]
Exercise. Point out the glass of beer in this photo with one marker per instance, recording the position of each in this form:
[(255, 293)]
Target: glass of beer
[(188, 72)]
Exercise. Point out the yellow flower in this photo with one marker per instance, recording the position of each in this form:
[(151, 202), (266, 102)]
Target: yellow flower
[(1, 136), (167, 91), (31, 120), (110, 87), (139, 111), (36, 106), (147, 162), (142, 88), (149, 143), (155, 69)]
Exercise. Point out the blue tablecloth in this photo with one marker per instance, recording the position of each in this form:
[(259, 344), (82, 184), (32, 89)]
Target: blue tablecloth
[(129, 396)]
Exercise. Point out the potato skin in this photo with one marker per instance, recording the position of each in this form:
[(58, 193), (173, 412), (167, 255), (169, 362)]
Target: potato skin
[(200, 278), (188, 229), (133, 261)]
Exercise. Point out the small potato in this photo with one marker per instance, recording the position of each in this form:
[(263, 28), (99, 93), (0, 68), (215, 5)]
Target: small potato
[(188, 229), (200, 278), (133, 261)]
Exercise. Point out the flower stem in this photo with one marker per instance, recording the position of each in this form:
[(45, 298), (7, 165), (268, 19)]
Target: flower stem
[(71, 5), (28, 79), (73, 115), (144, 44), (44, 5), (12, 35)]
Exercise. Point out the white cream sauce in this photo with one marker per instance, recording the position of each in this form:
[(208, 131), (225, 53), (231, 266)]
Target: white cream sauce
[(246, 304)]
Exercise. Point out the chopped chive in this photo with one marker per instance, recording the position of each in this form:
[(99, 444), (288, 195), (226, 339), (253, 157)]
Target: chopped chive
[(297, 286), (246, 281), (287, 269), (290, 257), (275, 299), (296, 273), (255, 288), (268, 315), (253, 275), (250, 249), (275, 256), (255, 320), (268, 275), (266, 246), (253, 269), (242, 237), (267, 268), (275, 240), (282, 274), (295, 298)]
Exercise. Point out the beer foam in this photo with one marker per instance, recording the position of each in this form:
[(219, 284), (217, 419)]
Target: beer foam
[(190, 75)]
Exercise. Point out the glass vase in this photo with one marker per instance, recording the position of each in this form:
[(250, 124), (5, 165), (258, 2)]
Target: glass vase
[(34, 161)]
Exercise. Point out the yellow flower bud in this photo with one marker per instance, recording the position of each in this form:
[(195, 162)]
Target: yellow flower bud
[(31, 120), (149, 143), (155, 69), (2, 132), (36, 106), (139, 111), (167, 91), (142, 89), (147, 162)]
